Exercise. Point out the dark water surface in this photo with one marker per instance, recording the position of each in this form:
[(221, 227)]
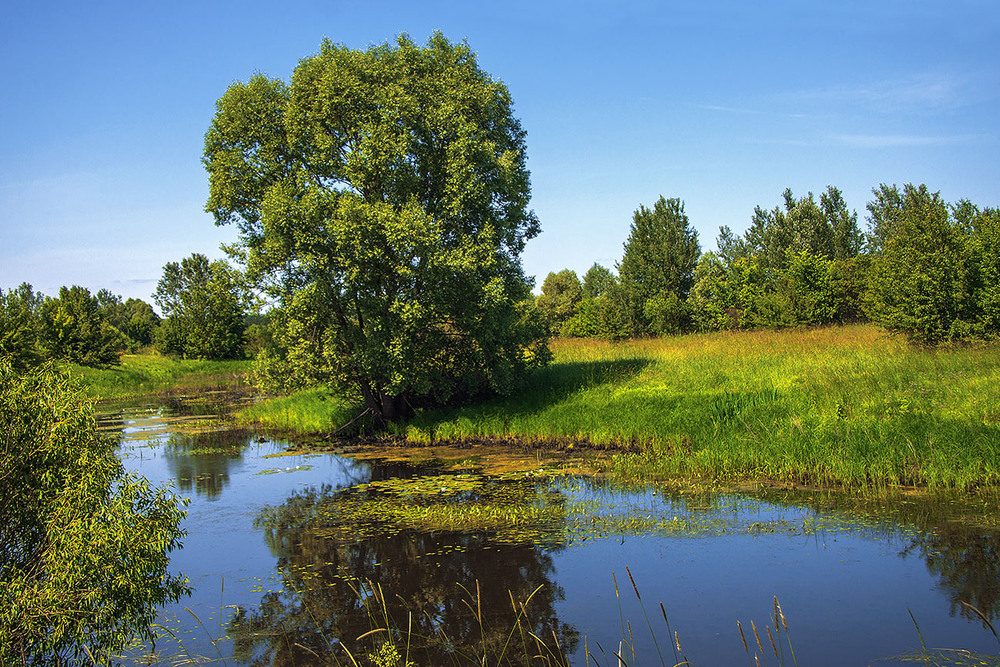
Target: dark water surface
[(280, 559)]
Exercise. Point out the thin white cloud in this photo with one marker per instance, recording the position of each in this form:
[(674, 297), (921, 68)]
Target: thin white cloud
[(922, 93), (749, 111), (895, 140)]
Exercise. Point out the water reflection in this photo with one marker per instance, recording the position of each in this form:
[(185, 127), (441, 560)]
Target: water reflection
[(966, 562), (957, 539), (847, 572), (202, 461), (421, 577)]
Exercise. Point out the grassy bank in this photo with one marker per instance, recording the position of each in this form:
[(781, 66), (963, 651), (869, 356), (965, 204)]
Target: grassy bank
[(145, 374), (310, 411), (844, 406)]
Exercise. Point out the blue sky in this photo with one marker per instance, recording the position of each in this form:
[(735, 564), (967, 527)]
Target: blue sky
[(722, 104)]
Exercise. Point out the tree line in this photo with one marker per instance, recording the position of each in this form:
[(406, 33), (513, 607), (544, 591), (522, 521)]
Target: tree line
[(925, 269), (206, 315)]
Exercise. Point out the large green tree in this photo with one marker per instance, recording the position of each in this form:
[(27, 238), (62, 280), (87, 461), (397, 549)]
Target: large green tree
[(134, 318), (597, 281), (204, 308), (83, 544), (381, 198), (660, 257)]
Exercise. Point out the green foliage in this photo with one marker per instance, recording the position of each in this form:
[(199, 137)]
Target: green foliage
[(20, 326), (805, 290), (134, 318), (381, 199), (75, 329), (712, 300), (826, 230), (919, 284), (603, 317), (83, 545), (847, 237), (560, 294), (797, 265), (586, 320), (849, 280), (660, 256), (204, 309), (883, 211), (985, 251), (597, 281), (667, 313)]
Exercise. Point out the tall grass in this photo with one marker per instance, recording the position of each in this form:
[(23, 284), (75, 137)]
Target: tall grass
[(309, 411), (515, 641), (149, 373), (834, 406)]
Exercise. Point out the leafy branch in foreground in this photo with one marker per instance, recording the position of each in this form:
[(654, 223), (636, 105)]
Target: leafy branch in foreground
[(83, 545)]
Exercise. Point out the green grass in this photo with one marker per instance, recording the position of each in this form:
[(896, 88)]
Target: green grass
[(834, 406), (150, 373), (838, 406), (308, 411)]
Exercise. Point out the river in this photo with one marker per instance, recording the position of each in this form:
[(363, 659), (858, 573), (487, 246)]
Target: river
[(292, 557)]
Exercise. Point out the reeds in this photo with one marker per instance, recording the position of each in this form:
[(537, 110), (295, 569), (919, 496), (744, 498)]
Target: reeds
[(392, 639)]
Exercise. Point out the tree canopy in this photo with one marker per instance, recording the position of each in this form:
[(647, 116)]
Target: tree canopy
[(204, 309), (659, 260), (75, 328), (560, 294), (381, 198)]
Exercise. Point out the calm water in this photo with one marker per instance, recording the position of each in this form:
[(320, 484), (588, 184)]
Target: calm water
[(277, 570)]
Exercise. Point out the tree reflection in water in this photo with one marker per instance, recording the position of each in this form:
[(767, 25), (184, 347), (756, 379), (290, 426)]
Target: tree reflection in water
[(420, 574), (967, 562), (201, 461)]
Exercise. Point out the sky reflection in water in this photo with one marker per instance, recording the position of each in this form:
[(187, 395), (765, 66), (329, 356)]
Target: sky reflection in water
[(844, 587)]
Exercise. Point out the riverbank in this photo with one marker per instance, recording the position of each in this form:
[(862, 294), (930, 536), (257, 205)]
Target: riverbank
[(152, 373), (846, 407)]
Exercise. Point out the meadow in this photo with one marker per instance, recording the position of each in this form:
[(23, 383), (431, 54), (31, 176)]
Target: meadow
[(847, 407), (150, 373)]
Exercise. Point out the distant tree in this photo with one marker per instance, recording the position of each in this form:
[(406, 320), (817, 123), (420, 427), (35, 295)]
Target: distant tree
[(560, 294), (382, 203), (660, 256), (804, 292), (597, 281), (20, 326), (984, 255), (712, 299), (883, 212), (75, 329), (801, 225), (847, 237), (730, 247), (203, 307), (849, 279), (83, 545), (667, 313), (920, 280), (140, 322), (134, 318)]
